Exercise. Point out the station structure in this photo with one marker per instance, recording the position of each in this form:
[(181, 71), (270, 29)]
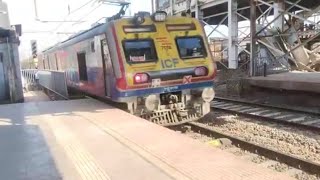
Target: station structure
[(88, 139), (264, 37), (10, 74)]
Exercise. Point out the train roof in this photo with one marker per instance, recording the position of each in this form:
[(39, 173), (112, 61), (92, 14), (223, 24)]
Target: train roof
[(86, 34), (82, 35)]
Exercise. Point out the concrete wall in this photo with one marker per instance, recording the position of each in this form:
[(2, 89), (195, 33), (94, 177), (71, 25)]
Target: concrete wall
[(11, 87), (3, 83)]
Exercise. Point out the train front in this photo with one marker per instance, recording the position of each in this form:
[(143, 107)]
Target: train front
[(165, 70)]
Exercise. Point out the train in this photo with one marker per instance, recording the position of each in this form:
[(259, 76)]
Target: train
[(159, 66)]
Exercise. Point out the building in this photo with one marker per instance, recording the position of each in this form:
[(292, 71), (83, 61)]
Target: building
[(10, 74)]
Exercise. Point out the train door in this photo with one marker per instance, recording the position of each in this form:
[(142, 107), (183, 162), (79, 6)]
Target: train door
[(107, 66)]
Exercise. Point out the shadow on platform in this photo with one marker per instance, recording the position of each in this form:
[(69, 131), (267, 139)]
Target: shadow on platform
[(25, 154), (24, 151)]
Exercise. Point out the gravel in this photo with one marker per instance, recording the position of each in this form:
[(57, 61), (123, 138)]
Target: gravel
[(279, 167), (276, 166), (304, 176), (301, 143), (259, 159)]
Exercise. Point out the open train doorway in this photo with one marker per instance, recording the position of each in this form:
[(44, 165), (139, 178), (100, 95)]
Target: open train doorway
[(82, 65), (107, 66)]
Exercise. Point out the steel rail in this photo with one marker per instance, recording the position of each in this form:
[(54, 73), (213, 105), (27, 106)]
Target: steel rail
[(292, 109), (296, 162), (251, 114)]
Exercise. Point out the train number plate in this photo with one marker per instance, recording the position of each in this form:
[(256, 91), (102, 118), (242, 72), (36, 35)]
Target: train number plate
[(156, 82)]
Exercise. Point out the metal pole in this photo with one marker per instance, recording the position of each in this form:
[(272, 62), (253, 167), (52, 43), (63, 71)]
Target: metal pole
[(223, 13), (36, 9), (287, 10), (302, 44), (265, 69), (253, 39), (215, 28), (156, 4), (152, 6), (171, 7)]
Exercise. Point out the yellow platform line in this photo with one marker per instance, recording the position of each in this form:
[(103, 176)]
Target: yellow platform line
[(84, 162), (157, 161)]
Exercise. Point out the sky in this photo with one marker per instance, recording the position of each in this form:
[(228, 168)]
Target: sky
[(83, 13)]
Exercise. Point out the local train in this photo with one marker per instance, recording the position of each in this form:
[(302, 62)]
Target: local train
[(160, 66)]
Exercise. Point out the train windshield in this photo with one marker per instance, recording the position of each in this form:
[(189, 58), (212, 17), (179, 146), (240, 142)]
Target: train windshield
[(191, 47), (139, 51)]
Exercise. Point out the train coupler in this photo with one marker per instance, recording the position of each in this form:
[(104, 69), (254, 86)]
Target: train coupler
[(168, 117)]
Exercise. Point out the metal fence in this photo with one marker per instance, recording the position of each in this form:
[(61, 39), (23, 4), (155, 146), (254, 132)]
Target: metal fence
[(54, 81), (29, 76), (267, 64)]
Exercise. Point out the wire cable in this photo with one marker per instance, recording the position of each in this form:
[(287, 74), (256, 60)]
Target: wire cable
[(82, 6), (85, 4), (87, 14), (60, 24)]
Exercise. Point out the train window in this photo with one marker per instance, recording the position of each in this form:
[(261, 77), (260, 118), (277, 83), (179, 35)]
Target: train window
[(137, 51), (82, 65), (191, 47)]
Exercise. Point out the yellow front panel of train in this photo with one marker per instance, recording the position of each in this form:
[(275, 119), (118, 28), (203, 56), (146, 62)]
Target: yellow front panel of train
[(165, 39)]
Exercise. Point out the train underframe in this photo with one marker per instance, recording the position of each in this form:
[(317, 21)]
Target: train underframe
[(173, 108)]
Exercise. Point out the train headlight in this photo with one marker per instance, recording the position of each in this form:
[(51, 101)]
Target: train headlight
[(151, 102), (160, 16), (201, 71), (140, 78), (138, 19), (208, 94)]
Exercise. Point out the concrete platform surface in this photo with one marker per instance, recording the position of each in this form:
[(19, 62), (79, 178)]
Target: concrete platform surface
[(35, 96), (87, 139), (295, 81)]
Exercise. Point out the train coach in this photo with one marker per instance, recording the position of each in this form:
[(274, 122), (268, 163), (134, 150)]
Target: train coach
[(159, 65)]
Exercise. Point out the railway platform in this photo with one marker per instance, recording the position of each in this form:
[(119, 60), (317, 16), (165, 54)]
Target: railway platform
[(293, 81), (87, 139)]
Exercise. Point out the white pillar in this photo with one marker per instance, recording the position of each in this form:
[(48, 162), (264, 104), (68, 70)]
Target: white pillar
[(4, 16), (232, 34), (253, 39), (171, 7), (152, 6), (278, 6), (198, 11)]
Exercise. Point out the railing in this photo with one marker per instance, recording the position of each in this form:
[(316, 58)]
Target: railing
[(54, 81), (29, 76), (267, 66)]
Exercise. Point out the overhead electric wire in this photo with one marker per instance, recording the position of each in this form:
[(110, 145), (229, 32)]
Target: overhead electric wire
[(88, 14), (85, 4), (75, 10), (80, 7)]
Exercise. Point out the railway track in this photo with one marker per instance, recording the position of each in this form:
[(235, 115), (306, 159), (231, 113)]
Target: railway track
[(295, 117), (295, 162)]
